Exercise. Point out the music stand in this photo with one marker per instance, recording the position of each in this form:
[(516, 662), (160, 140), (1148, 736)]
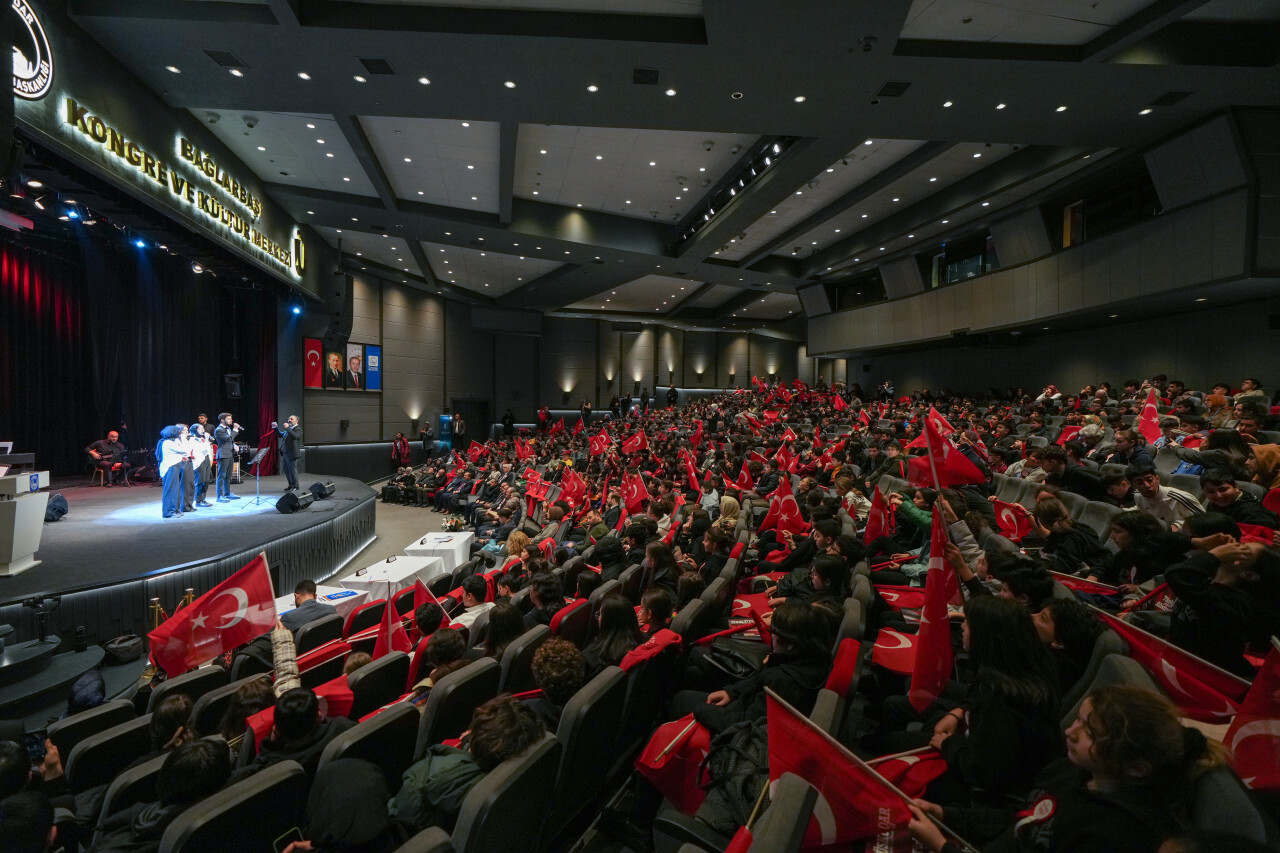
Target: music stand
[(257, 478)]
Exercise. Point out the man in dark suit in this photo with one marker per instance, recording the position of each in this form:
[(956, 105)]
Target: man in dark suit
[(289, 445), (333, 372), (355, 379), (306, 608), (224, 436)]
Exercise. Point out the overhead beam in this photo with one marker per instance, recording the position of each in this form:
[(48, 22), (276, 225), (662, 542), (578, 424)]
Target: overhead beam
[(1137, 27), (169, 10), (360, 145), (690, 299), (286, 12), (921, 156), (508, 133)]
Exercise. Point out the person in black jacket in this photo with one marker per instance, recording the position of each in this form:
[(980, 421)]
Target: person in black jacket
[(1227, 600), (1126, 781), (611, 558), (1072, 547), (547, 598), (299, 734), (1007, 729), (1224, 496), (796, 670), (192, 772), (1147, 548)]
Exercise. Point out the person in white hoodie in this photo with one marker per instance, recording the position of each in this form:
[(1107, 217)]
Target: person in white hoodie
[(171, 453), (201, 462)]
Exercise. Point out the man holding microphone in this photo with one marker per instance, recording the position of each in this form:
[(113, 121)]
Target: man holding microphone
[(225, 438), (289, 444)]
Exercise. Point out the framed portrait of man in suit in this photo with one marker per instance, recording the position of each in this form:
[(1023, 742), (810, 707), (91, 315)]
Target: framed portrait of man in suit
[(333, 370), (353, 375)]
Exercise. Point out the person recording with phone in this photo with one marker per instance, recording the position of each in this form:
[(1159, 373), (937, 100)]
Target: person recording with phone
[(289, 445), (225, 439)]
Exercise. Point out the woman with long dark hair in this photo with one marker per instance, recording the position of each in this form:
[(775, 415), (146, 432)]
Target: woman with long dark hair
[(1146, 546), (1224, 449), (505, 625), (618, 633), (1007, 729)]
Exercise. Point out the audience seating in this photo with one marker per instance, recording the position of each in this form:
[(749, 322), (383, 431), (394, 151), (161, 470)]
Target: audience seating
[(403, 601), (382, 740), (367, 615), (451, 702), (327, 670), (862, 591), (378, 683), (852, 623), (505, 810), (521, 601), (689, 622), (1188, 483), (607, 588), (194, 684), (648, 684), (418, 667), (98, 758), (1074, 503), (573, 622), (135, 785), (717, 598), (1097, 517), (432, 840), (587, 732), (517, 660), (68, 732), (243, 666), (209, 708), (1107, 643), (249, 815), (631, 579), (315, 634)]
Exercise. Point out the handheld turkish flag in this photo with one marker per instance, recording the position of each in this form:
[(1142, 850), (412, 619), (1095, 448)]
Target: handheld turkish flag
[(934, 656), (573, 488), (1201, 690), (1089, 587), (940, 422), (744, 481), (783, 458), (756, 426), (854, 801), (599, 444), (1149, 421), (880, 520), (838, 402), (784, 512), (1014, 519), (788, 435), (911, 772), (475, 451), (1068, 433), (391, 634), (696, 438), (1258, 724), (864, 418), (636, 443), (558, 426), (231, 614), (580, 427), (943, 464), (634, 492), (692, 474)]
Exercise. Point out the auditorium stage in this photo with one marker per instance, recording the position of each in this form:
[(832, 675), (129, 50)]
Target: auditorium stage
[(114, 551)]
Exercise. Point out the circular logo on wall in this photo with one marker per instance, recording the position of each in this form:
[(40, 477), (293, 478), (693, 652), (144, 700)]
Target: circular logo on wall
[(32, 58)]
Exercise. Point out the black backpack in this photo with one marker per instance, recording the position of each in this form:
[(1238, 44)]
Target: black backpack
[(738, 767), (57, 507)]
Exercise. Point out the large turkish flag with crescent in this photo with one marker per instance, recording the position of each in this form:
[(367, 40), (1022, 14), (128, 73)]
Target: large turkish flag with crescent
[(231, 614)]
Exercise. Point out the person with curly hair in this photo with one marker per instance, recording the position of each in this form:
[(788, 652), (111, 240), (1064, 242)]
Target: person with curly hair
[(558, 670)]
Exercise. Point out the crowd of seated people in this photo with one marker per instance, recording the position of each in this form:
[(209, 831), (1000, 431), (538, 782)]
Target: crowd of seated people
[(569, 519)]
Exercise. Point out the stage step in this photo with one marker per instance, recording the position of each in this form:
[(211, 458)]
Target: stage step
[(49, 684)]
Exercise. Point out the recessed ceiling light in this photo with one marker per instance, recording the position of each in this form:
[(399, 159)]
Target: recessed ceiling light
[(931, 180), (360, 79), (473, 198), (311, 213), (302, 75), (469, 166), (1061, 110), (837, 230), (986, 204), (420, 192), (466, 124), (310, 126), (424, 81), (671, 93), (911, 236), (260, 148), (1144, 111), (329, 154), (946, 103), (599, 156), (1001, 106), (855, 260), (799, 99), (799, 192), (977, 154), (320, 142), (869, 142), (1113, 316), (1201, 299), (408, 159), (173, 69), (652, 163), (535, 192), (882, 248), (543, 151), (895, 199), (236, 72), (346, 179), (593, 88), (510, 84), (945, 221), (864, 216), (579, 205)]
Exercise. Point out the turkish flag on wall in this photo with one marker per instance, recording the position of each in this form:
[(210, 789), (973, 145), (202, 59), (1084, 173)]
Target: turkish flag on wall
[(1149, 421), (1258, 725), (934, 655), (311, 363), (952, 467), (231, 614)]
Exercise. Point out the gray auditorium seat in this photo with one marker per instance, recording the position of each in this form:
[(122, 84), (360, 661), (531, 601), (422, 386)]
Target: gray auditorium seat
[(503, 811), (452, 701)]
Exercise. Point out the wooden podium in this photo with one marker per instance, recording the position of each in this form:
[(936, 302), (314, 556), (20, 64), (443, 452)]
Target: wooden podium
[(22, 507)]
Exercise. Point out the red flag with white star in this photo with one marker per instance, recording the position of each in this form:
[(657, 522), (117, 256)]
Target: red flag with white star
[(1148, 424), (231, 614), (934, 655)]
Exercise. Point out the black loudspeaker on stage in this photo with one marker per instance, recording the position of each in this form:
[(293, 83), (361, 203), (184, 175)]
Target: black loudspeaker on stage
[(294, 501), (323, 490)]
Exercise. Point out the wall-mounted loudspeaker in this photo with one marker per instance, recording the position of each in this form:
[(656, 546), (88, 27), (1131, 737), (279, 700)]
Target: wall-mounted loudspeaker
[(294, 501)]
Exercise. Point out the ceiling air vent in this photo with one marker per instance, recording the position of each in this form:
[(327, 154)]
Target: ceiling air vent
[(226, 58), (376, 65), (644, 76), (893, 89), (1168, 99)]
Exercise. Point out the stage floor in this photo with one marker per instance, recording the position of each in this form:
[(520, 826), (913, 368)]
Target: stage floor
[(113, 535)]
